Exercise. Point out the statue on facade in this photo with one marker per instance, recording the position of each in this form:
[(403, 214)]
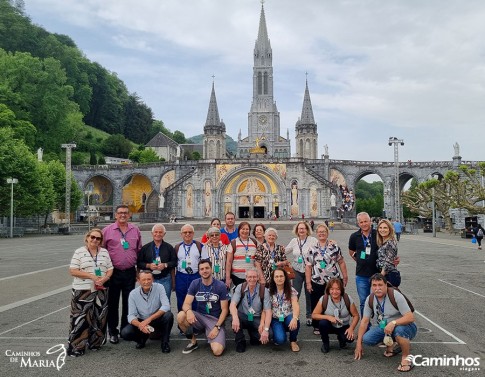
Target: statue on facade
[(333, 200), (325, 147), (161, 200), (456, 146)]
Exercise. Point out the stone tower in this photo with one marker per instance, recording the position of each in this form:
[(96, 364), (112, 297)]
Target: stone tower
[(214, 131), (263, 117), (306, 130)]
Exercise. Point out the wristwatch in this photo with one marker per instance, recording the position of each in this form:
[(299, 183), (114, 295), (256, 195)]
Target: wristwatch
[(218, 327), (266, 329), (394, 323)]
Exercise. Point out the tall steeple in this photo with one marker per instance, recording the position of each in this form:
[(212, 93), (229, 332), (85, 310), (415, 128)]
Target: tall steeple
[(214, 131), (306, 129), (307, 111), (263, 55), (213, 112)]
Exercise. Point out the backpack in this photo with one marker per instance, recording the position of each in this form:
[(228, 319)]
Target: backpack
[(261, 294), (390, 294), (480, 232), (325, 302)]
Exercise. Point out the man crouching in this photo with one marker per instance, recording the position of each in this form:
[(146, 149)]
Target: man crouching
[(391, 321)]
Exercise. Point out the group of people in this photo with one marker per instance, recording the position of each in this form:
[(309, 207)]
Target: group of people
[(265, 278)]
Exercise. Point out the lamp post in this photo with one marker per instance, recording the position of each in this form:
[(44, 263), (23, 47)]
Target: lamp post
[(397, 198), (69, 147), (88, 193), (11, 181)]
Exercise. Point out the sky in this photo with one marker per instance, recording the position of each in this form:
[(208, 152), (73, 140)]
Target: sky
[(410, 69)]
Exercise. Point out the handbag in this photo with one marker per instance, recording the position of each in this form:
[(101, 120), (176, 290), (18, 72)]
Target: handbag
[(290, 272)]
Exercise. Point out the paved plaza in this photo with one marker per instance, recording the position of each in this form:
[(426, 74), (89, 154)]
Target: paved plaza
[(443, 276)]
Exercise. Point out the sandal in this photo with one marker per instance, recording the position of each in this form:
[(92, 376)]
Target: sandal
[(308, 321), (316, 332), (394, 352), (295, 347), (405, 367)]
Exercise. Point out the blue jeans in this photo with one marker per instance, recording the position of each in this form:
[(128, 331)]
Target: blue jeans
[(376, 335), (363, 290), (166, 282), (182, 283), (280, 329)]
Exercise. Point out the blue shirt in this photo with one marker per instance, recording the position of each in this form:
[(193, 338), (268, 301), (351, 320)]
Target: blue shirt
[(230, 235), (213, 294), (397, 226)]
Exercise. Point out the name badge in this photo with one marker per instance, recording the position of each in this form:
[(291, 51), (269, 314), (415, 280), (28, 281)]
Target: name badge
[(157, 261), (300, 259), (250, 317), (248, 258), (184, 264), (97, 271), (126, 245), (367, 249), (281, 317), (208, 307), (217, 268), (362, 255), (323, 264), (383, 323)]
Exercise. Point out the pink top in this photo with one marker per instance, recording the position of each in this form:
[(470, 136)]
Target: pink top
[(122, 258)]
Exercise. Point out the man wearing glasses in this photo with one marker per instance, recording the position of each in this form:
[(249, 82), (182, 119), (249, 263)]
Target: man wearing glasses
[(392, 322), (123, 242), (189, 253)]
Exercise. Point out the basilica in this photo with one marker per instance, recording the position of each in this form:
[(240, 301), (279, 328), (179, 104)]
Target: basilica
[(263, 179)]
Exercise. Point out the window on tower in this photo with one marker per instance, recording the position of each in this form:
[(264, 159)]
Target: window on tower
[(260, 83), (265, 85)]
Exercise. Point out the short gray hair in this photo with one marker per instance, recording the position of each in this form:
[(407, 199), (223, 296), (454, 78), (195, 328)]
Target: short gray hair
[(267, 231), (159, 225)]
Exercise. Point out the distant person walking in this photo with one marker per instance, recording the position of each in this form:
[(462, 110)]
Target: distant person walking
[(397, 229), (478, 232)]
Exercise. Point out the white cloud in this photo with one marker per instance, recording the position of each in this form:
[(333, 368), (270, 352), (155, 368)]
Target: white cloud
[(412, 69)]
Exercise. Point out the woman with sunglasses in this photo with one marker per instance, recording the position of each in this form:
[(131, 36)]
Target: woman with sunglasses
[(217, 252), (258, 233), (91, 267)]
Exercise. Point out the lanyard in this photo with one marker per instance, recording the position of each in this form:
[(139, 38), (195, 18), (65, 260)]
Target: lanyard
[(272, 252), (216, 255), (95, 259), (187, 249), (280, 299), (324, 249), (380, 308), (123, 235), (366, 240), (300, 245), (250, 299), (157, 250), (207, 294), (245, 246)]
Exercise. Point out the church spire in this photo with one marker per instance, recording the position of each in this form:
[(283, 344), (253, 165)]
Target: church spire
[(213, 112), (263, 54), (307, 111)]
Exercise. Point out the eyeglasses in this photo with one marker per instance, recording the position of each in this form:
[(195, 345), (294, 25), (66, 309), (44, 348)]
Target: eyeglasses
[(122, 213), (96, 238), (188, 232), (214, 235)]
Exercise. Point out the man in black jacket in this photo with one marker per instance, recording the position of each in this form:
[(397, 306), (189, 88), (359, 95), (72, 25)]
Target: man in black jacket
[(159, 257)]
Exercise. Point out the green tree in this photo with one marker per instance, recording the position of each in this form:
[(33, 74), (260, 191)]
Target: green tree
[(138, 120), (196, 156), (17, 161), (57, 173), (116, 146), (369, 197), (179, 137), (92, 159)]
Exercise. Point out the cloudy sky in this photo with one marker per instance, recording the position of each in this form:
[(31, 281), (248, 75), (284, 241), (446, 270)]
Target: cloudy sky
[(411, 69)]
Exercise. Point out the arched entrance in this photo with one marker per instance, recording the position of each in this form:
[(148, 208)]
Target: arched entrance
[(252, 194)]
